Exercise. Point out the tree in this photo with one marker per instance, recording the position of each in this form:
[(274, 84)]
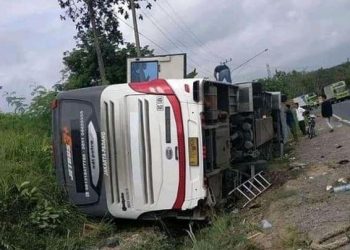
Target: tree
[(98, 17), (81, 66), (297, 83), (17, 102)]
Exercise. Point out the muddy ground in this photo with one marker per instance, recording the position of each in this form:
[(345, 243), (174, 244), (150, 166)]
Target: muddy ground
[(298, 206)]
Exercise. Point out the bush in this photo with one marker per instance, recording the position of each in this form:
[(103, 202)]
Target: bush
[(33, 209)]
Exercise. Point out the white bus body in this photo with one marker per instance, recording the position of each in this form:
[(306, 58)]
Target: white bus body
[(159, 148)]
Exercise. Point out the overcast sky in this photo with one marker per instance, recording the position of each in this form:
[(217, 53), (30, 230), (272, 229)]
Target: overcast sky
[(300, 34)]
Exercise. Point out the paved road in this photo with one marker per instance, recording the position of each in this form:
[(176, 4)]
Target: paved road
[(342, 109)]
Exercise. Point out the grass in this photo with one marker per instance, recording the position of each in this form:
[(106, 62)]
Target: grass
[(226, 232), (293, 239), (32, 207), (282, 194)]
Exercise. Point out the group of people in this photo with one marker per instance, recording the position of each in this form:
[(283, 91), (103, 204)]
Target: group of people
[(297, 115), (294, 116)]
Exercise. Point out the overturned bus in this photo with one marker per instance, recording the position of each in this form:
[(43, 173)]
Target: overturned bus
[(161, 148)]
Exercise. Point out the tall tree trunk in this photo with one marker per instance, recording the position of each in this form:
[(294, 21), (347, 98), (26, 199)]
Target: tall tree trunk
[(101, 66)]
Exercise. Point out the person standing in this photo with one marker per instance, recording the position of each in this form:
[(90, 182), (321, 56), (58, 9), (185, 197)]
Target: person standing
[(291, 122), (222, 72), (327, 111), (300, 116)]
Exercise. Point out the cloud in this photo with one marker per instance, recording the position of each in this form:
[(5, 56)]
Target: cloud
[(33, 39), (294, 31), (299, 34)]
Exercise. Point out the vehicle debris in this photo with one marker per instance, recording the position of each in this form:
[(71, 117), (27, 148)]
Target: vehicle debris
[(253, 236), (343, 162), (255, 205), (297, 165), (111, 242), (341, 188), (324, 242), (342, 180), (266, 224)]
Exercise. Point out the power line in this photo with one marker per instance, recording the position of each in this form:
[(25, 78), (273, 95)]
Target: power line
[(195, 37), (148, 39), (265, 50), (156, 44), (161, 30), (168, 37), (178, 25), (177, 40)]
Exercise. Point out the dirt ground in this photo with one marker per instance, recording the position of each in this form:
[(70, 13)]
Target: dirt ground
[(298, 206)]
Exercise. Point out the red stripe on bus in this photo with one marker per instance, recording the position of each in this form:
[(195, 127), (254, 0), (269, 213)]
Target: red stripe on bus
[(157, 87), (161, 87), (181, 191)]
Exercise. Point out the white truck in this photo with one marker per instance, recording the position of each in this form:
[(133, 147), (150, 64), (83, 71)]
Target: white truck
[(301, 100), (337, 91)]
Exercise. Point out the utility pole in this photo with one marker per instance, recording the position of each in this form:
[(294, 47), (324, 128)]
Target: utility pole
[(136, 30), (101, 65), (226, 61), (268, 71)]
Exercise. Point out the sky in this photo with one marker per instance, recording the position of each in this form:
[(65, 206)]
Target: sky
[(299, 34)]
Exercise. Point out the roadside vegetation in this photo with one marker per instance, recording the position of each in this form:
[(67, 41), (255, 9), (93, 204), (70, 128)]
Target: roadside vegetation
[(33, 210), (295, 83)]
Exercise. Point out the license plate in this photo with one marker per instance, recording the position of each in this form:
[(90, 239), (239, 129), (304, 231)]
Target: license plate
[(193, 151)]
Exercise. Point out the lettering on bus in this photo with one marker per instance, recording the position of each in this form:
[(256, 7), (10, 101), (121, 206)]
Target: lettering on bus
[(67, 141), (160, 103), (84, 153), (104, 154)]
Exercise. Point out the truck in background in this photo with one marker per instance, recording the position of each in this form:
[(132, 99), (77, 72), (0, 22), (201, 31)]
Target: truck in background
[(301, 100), (312, 99), (307, 101), (337, 91)]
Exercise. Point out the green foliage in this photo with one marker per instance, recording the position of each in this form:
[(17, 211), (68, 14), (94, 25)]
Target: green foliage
[(97, 23), (41, 101), (33, 209), (145, 239), (296, 83), (80, 11), (293, 239), (17, 102), (81, 67), (226, 232), (40, 106)]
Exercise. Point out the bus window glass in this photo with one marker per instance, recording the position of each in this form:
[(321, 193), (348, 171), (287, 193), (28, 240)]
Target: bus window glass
[(144, 71)]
